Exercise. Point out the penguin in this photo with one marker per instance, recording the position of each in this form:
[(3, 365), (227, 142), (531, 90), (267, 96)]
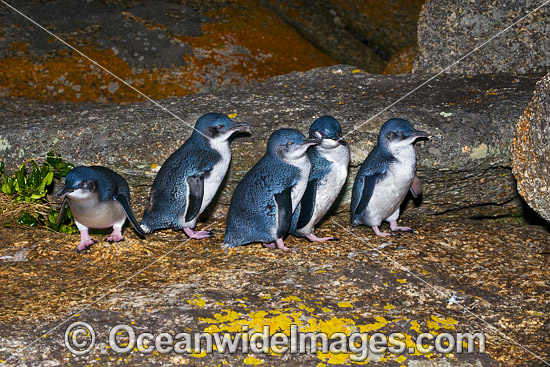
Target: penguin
[(263, 202), (190, 178), (329, 170), (386, 176), (98, 198)]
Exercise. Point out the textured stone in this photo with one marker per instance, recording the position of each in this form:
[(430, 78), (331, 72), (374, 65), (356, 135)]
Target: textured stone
[(465, 166), (361, 33), (531, 151), (162, 48), (385, 26), (448, 30), (401, 62)]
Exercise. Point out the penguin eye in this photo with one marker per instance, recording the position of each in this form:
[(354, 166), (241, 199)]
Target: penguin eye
[(219, 127), (399, 132), (289, 143)]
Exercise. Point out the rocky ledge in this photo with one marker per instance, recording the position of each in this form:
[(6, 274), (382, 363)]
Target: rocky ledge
[(465, 166)]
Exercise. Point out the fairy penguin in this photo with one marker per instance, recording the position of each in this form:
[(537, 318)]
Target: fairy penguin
[(262, 205), (190, 178), (386, 176), (329, 170), (98, 198)]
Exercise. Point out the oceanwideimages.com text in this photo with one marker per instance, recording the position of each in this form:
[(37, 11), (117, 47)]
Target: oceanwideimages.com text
[(80, 339)]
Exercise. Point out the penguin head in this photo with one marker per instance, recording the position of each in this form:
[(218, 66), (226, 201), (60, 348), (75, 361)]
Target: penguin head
[(80, 184), (217, 126), (328, 130), (397, 133), (289, 144)]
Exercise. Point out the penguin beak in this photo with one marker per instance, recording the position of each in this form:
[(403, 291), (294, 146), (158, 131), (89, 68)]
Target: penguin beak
[(313, 141), (419, 134), (64, 191), (239, 127)]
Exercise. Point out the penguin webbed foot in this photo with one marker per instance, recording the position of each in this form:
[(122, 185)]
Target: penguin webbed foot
[(198, 234), (313, 238), (380, 233), (113, 239), (395, 228), (84, 246), (116, 235), (278, 244)]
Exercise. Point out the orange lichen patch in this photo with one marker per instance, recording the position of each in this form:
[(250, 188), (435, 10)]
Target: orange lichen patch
[(252, 42), (71, 77), (18, 48), (401, 62), (520, 148), (247, 44)]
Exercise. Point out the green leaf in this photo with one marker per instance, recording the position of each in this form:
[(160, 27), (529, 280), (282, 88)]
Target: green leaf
[(32, 186)]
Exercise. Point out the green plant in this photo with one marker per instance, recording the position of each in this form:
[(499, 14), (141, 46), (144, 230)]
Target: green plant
[(27, 189)]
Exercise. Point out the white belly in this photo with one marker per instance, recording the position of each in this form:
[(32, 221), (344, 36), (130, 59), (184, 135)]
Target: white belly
[(213, 180), (390, 192), (300, 188), (96, 214), (304, 165), (330, 185)]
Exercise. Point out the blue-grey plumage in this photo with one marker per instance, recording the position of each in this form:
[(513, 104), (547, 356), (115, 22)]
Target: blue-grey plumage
[(263, 202), (98, 198), (386, 176), (329, 170), (190, 178)]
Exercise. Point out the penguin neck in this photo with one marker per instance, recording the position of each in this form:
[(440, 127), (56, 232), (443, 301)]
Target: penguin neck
[(338, 154), (220, 146), (404, 154), (300, 162)]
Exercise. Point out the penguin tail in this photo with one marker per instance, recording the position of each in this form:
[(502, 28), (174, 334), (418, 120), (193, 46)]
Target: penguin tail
[(355, 221)]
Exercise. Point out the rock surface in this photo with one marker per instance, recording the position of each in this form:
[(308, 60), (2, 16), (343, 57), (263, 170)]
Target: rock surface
[(465, 166), (497, 273), (163, 48), (448, 30), (360, 33), (173, 48), (531, 151)]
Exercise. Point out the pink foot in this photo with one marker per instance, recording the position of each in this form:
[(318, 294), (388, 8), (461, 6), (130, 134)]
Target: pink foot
[(395, 228), (116, 236), (85, 239), (278, 244), (84, 244), (313, 238), (378, 233), (197, 234)]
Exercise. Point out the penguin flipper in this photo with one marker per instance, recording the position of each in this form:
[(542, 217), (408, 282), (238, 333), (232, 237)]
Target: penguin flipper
[(123, 200), (195, 186), (416, 187), (368, 188), (307, 204), (284, 211), (61, 211)]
